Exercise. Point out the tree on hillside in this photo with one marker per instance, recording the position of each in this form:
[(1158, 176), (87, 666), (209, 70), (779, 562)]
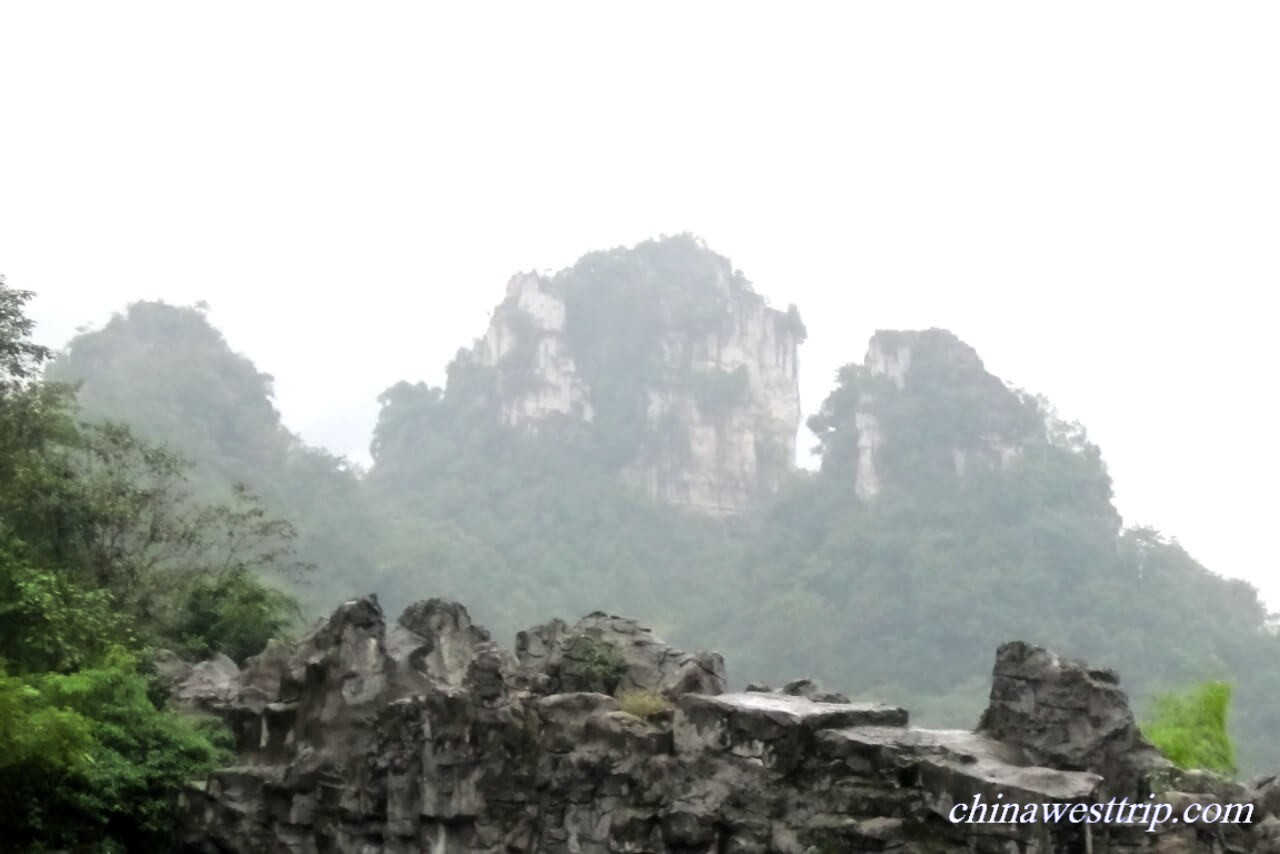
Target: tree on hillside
[(104, 555), (20, 357), (994, 519), (170, 374)]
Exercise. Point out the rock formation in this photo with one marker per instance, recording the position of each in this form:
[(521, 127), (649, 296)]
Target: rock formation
[(429, 737), (715, 382), (934, 385)]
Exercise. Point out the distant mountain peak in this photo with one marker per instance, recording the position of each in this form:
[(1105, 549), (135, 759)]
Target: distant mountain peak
[(666, 347), (923, 401)]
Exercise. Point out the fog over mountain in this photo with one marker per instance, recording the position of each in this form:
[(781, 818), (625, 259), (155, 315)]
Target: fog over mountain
[(1082, 194), (584, 427), (621, 435)]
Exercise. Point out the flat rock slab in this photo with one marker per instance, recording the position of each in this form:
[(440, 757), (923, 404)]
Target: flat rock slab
[(787, 710), (954, 765), (774, 729)]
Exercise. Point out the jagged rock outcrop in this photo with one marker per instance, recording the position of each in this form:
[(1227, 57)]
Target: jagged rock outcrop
[(710, 393), (431, 738), (1066, 715), (569, 658)]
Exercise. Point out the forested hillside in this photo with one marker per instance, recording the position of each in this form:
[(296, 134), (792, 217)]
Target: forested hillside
[(166, 372), (951, 512), (106, 557)]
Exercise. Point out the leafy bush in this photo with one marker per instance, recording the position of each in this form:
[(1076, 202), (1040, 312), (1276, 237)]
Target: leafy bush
[(235, 614), (1191, 729), (592, 665), (48, 623), (88, 763), (102, 544)]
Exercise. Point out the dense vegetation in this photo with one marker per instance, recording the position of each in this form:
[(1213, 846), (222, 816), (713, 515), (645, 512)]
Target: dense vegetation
[(104, 557), (1191, 729), (903, 598), (170, 375)]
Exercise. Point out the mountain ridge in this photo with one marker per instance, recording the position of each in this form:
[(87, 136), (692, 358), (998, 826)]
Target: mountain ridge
[(990, 517)]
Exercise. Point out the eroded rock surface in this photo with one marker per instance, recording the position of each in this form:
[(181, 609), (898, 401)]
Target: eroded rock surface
[(430, 737), (726, 401), (569, 657), (1065, 714)]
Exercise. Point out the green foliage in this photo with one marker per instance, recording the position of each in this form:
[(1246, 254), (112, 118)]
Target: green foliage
[(902, 599), (926, 580), (467, 507), (1191, 729), (634, 320), (102, 546), (168, 373), (48, 623), (116, 518), (596, 665), (234, 613), (20, 357), (165, 370), (88, 762)]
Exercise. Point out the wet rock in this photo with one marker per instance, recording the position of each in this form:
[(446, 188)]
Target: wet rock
[(580, 658), (1065, 714), (435, 639), (812, 690), (208, 686), (431, 737)]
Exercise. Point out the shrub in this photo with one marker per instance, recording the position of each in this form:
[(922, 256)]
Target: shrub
[(643, 704), (88, 763), (235, 614), (1191, 729), (592, 665)]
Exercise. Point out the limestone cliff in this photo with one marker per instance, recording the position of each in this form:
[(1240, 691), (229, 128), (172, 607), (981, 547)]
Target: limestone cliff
[(922, 405), (430, 737), (687, 373)]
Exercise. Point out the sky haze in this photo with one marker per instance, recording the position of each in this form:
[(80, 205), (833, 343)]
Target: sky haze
[(1085, 193)]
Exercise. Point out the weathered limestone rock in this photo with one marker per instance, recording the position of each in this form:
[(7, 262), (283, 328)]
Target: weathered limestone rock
[(1065, 714), (170, 668), (775, 730), (209, 684), (808, 688), (435, 640), (897, 368), (568, 655), (720, 452), (431, 738)]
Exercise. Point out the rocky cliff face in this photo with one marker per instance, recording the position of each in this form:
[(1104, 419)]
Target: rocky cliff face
[(934, 386), (664, 344), (429, 737)]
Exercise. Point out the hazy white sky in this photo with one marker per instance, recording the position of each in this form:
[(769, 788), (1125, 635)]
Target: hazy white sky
[(1086, 192)]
